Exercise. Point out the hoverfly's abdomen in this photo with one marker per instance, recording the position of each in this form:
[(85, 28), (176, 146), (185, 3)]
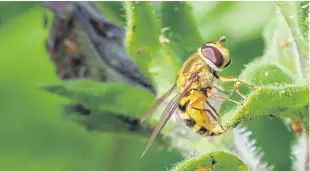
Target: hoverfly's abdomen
[(195, 119), (202, 130), (208, 132), (185, 117)]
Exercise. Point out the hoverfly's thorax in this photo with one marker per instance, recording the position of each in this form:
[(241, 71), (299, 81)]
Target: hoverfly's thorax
[(194, 64)]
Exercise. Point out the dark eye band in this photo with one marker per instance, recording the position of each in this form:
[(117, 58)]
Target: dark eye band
[(228, 63)]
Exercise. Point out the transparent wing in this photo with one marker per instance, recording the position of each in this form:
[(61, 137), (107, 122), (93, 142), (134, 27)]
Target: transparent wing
[(159, 101), (167, 114)]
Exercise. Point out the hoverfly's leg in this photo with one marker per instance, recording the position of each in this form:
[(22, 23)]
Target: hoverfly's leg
[(236, 81), (228, 99), (207, 110), (219, 89), (210, 93), (201, 99), (209, 104)]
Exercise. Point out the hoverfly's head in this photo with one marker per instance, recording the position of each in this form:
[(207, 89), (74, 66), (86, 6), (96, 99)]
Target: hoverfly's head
[(215, 55)]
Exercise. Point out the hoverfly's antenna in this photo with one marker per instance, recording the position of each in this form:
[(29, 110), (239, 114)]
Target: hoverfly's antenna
[(222, 39)]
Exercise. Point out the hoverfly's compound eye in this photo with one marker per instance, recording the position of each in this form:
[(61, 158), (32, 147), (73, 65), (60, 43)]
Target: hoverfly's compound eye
[(213, 54)]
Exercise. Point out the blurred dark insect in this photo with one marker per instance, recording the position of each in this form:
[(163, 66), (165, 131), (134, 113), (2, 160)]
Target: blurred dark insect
[(82, 44)]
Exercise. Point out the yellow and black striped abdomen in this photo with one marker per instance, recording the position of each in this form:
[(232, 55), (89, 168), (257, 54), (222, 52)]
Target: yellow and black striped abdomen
[(198, 120)]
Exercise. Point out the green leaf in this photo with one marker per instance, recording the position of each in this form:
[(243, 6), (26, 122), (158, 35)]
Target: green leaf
[(143, 44), (215, 161), (283, 101), (281, 75), (265, 131), (296, 14), (113, 97), (274, 86), (108, 122), (271, 141), (9, 10), (303, 8), (258, 73), (282, 64), (114, 11), (285, 44), (182, 31), (105, 121)]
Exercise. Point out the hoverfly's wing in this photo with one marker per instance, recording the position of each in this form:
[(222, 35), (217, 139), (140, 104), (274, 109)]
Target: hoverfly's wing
[(167, 114), (158, 102)]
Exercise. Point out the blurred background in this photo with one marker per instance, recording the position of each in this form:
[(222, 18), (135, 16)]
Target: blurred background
[(34, 134)]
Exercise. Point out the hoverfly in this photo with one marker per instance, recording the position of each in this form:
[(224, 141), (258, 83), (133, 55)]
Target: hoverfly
[(196, 81)]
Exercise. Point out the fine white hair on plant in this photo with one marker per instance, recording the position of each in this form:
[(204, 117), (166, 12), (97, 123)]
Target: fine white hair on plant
[(299, 149), (247, 150)]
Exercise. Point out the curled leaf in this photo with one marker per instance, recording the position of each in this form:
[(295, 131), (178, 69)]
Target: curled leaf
[(264, 132), (215, 161), (83, 44), (284, 101)]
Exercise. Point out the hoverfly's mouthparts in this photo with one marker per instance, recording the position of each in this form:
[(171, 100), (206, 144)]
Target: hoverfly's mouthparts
[(222, 39)]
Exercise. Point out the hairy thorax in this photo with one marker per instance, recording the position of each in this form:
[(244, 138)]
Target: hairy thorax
[(195, 64)]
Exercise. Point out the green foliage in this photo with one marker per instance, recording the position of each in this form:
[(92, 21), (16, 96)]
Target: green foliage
[(178, 19), (303, 17), (107, 122), (234, 20), (215, 161), (35, 134), (283, 69), (292, 31), (279, 65), (114, 11), (159, 41), (143, 44), (263, 74), (93, 95), (284, 102), (12, 9)]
